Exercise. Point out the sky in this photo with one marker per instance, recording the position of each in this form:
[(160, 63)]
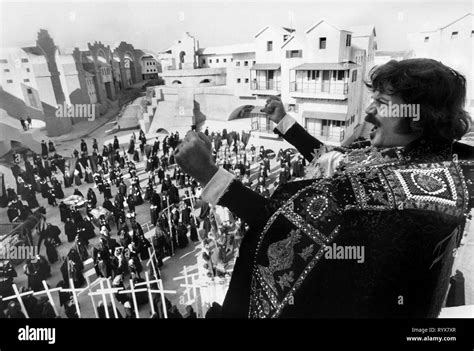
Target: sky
[(155, 25)]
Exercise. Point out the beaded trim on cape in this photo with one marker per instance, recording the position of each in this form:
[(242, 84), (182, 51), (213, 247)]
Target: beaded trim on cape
[(293, 241)]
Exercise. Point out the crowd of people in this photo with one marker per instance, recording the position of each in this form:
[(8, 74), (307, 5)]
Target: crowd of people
[(172, 195)]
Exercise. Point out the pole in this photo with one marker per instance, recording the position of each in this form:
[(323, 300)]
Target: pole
[(109, 286), (74, 294), (170, 224), (150, 297), (92, 299)]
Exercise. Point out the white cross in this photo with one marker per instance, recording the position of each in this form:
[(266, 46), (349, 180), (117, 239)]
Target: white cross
[(187, 285), (185, 277), (134, 297), (148, 283), (152, 261), (48, 291), (102, 292), (191, 197), (162, 292), (194, 287), (74, 294), (18, 297), (169, 223), (109, 287), (89, 287)]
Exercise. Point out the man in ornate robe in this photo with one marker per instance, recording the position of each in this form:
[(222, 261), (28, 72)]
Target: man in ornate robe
[(401, 202)]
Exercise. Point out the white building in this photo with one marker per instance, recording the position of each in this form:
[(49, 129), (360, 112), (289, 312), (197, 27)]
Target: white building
[(453, 45), (318, 74), (150, 67), (18, 79)]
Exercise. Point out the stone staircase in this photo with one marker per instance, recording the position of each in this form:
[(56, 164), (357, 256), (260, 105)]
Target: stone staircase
[(174, 115)]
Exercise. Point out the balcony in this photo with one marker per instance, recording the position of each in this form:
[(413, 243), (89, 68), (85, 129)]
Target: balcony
[(268, 85), (320, 90)]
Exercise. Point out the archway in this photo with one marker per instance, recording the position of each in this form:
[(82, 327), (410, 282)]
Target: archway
[(182, 54), (176, 82)]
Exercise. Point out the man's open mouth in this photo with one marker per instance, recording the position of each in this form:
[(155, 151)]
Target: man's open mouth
[(373, 131), (371, 119)]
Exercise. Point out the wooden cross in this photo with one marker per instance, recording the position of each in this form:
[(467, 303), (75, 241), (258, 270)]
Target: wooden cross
[(151, 261), (74, 294), (162, 292), (148, 283), (102, 292), (48, 291), (89, 287), (18, 297), (112, 298), (151, 291), (169, 223), (187, 285), (195, 287), (193, 203), (133, 291)]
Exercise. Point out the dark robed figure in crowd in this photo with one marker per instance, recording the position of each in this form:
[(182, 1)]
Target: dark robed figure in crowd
[(404, 199)]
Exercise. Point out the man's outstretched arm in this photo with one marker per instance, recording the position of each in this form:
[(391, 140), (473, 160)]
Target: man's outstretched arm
[(290, 130), (194, 156), (224, 190)]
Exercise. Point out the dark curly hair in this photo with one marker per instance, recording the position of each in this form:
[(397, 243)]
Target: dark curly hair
[(439, 90)]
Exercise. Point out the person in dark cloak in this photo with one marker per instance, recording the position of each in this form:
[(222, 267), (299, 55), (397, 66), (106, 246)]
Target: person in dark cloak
[(91, 198)]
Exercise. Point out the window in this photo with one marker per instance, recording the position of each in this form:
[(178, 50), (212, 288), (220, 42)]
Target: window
[(9, 81), (269, 45), (340, 75), (24, 60), (246, 63), (294, 53), (246, 80), (472, 33), (26, 80), (225, 60), (311, 75), (454, 35), (203, 61), (6, 70), (3, 61), (348, 40), (28, 70), (254, 62), (238, 80), (210, 60), (427, 39), (29, 91), (237, 63), (354, 75), (217, 60), (232, 59), (352, 119), (322, 43)]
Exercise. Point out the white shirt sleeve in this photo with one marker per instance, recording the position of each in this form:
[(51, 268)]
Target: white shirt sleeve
[(217, 186), (285, 124)]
